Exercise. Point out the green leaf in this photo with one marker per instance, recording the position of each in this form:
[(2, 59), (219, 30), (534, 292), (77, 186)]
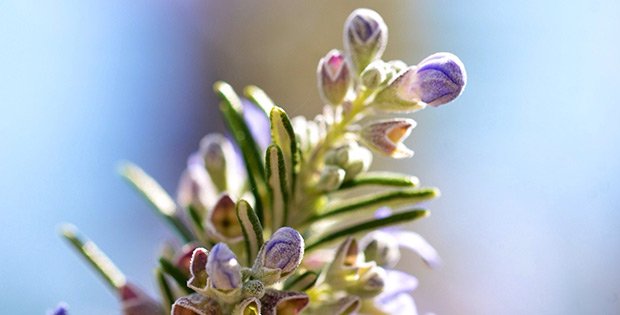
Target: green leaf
[(259, 97), (372, 202), (197, 223), (176, 274), (232, 111), (278, 189), (301, 282), (164, 289), (283, 135), (252, 229), (163, 204), (369, 225), (96, 258), (381, 179)]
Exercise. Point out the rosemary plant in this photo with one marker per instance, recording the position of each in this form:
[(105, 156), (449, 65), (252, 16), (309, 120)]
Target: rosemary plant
[(282, 215)]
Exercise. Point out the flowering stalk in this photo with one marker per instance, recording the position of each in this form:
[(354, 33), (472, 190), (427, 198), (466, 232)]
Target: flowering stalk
[(269, 216)]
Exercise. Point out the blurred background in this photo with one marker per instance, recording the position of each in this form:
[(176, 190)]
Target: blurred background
[(528, 159)]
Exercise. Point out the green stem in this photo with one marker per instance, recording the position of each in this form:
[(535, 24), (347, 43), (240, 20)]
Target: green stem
[(334, 134)]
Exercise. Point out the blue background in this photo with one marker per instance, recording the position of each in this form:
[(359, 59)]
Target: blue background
[(527, 159)]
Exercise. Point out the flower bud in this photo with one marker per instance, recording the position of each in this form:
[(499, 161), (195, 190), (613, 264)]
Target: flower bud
[(381, 247), (440, 78), (219, 155), (437, 80), (386, 136), (334, 77), (280, 256), (331, 178), (222, 223), (375, 74), (253, 288), (223, 268), (195, 188), (397, 65), (365, 38)]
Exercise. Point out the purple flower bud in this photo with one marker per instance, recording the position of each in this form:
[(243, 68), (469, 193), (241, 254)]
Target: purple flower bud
[(435, 81), (334, 77), (283, 251), (223, 268), (386, 136), (439, 79), (365, 38)]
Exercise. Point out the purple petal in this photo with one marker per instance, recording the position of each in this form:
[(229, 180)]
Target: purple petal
[(383, 212), (284, 250), (397, 282), (401, 304), (223, 268), (416, 243)]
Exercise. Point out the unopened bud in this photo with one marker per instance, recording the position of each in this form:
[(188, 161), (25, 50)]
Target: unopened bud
[(375, 74), (387, 136), (253, 288), (397, 65), (437, 80), (280, 256), (218, 155), (196, 189), (223, 268), (331, 178), (440, 78), (365, 38), (334, 77)]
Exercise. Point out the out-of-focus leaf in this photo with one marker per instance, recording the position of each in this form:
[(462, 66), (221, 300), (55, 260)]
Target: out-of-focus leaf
[(259, 97), (163, 204), (301, 282), (165, 291), (176, 274), (232, 111)]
